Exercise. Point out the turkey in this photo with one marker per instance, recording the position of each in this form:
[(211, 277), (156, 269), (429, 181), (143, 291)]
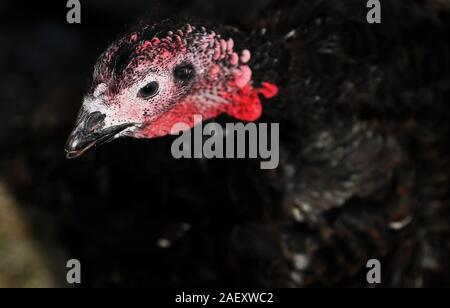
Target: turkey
[(363, 121)]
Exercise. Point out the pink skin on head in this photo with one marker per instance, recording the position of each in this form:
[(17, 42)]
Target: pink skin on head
[(222, 82), (134, 37)]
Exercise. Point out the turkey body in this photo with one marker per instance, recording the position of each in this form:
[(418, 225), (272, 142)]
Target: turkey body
[(363, 113)]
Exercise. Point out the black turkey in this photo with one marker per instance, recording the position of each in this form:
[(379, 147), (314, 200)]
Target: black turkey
[(364, 123)]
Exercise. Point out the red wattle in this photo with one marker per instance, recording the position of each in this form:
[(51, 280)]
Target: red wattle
[(269, 90), (246, 103)]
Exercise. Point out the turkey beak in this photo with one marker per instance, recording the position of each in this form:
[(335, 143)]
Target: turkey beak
[(90, 131)]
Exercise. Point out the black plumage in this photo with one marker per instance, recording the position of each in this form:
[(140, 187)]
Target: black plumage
[(363, 116)]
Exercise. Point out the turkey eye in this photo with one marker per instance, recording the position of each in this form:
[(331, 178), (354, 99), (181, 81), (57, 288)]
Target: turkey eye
[(150, 90), (184, 72)]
